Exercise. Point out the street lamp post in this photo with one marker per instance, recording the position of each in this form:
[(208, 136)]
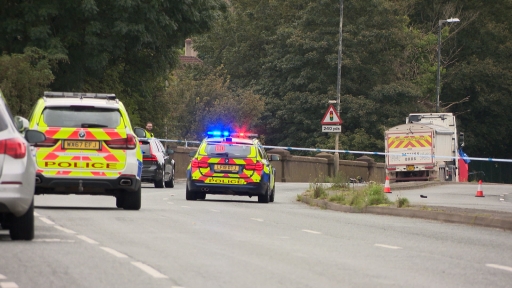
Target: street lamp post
[(441, 22), (338, 92)]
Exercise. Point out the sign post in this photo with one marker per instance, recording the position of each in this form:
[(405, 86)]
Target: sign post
[(331, 123)]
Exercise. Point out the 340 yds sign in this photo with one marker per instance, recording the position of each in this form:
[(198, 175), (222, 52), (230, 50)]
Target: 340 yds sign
[(331, 128)]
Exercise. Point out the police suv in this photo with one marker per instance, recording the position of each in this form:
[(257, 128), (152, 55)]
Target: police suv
[(90, 147)]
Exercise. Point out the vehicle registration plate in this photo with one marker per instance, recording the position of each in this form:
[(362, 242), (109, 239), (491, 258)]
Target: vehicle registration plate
[(77, 144), (231, 168), (410, 167)]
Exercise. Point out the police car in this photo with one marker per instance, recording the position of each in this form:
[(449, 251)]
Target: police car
[(231, 164), (90, 147)]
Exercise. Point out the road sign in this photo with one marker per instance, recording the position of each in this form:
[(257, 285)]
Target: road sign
[(331, 128), (331, 117)]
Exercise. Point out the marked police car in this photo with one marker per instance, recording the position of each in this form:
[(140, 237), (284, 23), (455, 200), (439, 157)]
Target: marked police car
[(231, 164), (90, 147)]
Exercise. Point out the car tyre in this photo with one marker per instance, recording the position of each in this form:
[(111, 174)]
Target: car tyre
[(132, 200), (170, 183), (190, 195), (23, 227), (265, 198), (119, 201), (201, 196), (272, 194), (160, 183)]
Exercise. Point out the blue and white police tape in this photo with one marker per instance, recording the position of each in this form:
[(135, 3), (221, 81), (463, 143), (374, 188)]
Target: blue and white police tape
[(361, 152)]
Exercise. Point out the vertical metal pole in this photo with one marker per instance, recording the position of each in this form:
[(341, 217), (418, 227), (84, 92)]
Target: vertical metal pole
[(338, 92), (438, 65)]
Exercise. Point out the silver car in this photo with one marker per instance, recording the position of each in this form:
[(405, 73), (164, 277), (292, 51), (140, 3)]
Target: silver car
[(17, 174)]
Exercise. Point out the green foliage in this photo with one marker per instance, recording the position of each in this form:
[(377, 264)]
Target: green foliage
[(318, 190), (202, 100), (370, 195), (402, 202), (339, 181), (24, 78)]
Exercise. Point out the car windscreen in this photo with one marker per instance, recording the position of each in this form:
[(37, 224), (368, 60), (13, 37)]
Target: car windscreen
[(228, 150), (144, 147), (81, 117)]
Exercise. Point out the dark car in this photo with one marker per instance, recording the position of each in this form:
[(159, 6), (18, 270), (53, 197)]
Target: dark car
[(158, 163)]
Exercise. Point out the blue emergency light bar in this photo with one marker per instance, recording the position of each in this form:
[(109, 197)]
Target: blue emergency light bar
[(217, 133)]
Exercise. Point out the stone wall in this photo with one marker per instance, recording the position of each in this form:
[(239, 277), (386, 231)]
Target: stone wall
[(292, 168)]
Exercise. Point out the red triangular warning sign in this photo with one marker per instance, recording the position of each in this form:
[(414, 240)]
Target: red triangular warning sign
[(331, 117)]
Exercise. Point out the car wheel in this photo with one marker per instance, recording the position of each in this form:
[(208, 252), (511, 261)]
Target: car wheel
[(160, 183), (201, 196), (119, 201), (170, 183), (272, 194), (190, 195), (23, 227), (132, 200), (265, 197)]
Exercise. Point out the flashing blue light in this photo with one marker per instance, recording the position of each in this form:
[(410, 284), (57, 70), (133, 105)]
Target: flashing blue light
[(218, 133)]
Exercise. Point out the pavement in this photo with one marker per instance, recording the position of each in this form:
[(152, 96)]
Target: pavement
[(455, 212)]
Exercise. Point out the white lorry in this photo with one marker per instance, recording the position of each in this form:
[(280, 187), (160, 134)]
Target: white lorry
[(423, 149)]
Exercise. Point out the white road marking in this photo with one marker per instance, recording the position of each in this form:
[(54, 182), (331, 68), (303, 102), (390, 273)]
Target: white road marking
[(388, 246), (311, 231), (506, 268), (166, 198), (284, 237), (64, 229), (257, 219), (87, 239), (214, 210), (170, 202), (185, 206), (149, 270), (2, 277), (47, 221), (114, 252), (37, 215), (52, 240), (8, 285)]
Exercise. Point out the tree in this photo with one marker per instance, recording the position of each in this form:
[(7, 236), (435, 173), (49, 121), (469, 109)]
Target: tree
[(24, 78)]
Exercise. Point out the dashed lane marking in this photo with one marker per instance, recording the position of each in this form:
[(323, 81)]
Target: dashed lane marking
[(506, 268), (311, 231), (87, 239), (213, 210), (185, 206), (151, 271), (37, 215), (2, 277), (166, 198), (257, 219), (8, 285), (65, 229), (388, 246), (53, 240), (47, 221), (114, 252), (170, 202)]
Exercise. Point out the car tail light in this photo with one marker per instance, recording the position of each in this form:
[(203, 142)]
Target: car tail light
[(199, 164), (13, 147), (258, 166), (48, 142), (122, 143), (391, 168)]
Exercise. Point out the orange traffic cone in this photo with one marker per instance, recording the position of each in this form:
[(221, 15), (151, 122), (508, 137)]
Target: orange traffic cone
[(387, 188), (479, 192)]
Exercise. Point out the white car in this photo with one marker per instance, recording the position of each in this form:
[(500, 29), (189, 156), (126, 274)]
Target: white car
[(17, 174)]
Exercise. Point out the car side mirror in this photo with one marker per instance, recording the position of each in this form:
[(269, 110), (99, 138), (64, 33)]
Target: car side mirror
[(34, 136), (140, 132), (21, 123), (169, 151), (192, 154), (274, 157)]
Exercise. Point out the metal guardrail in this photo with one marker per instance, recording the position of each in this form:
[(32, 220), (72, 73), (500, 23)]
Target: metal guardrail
[(353, 152)]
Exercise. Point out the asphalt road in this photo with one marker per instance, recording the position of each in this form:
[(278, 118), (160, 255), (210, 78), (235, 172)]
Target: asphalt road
[(497, 197), (225, 241)]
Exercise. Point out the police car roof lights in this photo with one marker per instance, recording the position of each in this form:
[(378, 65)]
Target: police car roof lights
[(51, 94), (224, 134)]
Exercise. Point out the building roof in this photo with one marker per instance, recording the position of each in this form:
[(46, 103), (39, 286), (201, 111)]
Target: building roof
[(190, 60)]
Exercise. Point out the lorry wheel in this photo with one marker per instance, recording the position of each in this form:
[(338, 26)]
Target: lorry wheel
[(132, 200), (23, 227)]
